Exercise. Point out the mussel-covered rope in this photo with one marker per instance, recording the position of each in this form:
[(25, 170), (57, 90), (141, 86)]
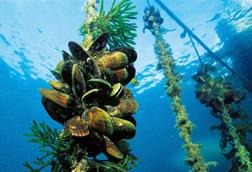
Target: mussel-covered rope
[(215, 93), (91, 15), (241, 153), (183, 123)]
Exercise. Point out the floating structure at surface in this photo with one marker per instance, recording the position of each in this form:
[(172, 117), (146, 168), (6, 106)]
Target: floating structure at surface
[(91, 100), (194, 158), (244, 80)]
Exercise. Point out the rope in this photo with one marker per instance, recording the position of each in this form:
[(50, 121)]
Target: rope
[(195, 48)]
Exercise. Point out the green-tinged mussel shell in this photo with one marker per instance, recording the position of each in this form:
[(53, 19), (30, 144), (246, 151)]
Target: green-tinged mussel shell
[(91, 96), (77, 127), (56, 112), (123, 129), (125, 75), (102, 85), (59, 66), (99, 120), (113, 60), (117, 90), (66, 72), (57, 97), (125, 108), (111, 149), (59, 86), (56, 72), (123, 146), (78, 82), (130, 52), (131, 74), (127, 93)]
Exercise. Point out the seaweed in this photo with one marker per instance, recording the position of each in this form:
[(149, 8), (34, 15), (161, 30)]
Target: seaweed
[(63, 153), (56, 148), (116, 22)]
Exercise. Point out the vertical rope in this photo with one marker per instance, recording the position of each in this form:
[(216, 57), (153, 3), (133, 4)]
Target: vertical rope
[(183, 123)]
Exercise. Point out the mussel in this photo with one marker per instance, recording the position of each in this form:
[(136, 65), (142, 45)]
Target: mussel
[(99, 120)]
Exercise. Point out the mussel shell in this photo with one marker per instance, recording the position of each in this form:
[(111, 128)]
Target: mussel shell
[(57, 97), (125, 108), (117, 90), (56, 112), (56, 72), (127, 93), (77, 51), (78, 82), (93, 143), (121, 74), (112, 150), (113, 60), (99, 120), (125, 75), (128, 106), (59, 66), (77, 127), (66, 72), (88, 67), (123, 146), (130, 119), (108, 75), (99, 44), (60, 86), (56, 75), (131, 74), (130, 52), (66, 56), (91, 96), (123, 129), (103, 86)]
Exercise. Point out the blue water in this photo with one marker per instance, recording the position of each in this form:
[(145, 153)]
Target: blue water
[(32, 34)]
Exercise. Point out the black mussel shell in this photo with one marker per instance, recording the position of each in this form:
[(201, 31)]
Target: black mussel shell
[(66, 56), (131, 119), (66, 72), (78, 81), (77, 51), (99, 44), (56, 74), (102, 85), (131, 74), (109, 76), (56, 112)]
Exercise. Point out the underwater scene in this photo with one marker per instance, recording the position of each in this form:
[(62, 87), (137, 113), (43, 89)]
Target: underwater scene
[(126, 85)]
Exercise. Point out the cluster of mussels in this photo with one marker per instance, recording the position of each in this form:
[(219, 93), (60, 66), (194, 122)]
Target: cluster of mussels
[(151, 16), (214, 91), (90, 98), (218, 94)]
